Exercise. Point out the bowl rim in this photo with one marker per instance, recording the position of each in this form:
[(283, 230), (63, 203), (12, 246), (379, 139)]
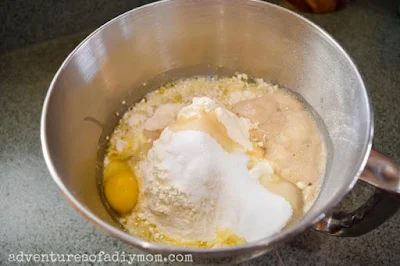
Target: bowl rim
[(262, 244)]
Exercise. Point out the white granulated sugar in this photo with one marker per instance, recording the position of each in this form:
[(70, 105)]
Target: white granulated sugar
[(192, 188)]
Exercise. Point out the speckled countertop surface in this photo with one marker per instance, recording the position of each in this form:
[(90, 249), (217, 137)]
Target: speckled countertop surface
[(35, 218)]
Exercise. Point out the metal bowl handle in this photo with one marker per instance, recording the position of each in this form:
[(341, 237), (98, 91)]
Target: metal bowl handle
[(384, 174)]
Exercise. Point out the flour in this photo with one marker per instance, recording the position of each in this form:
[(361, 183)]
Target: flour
[(193, 188)]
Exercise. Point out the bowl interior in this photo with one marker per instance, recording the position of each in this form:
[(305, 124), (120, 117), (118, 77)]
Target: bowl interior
[(173, 39)]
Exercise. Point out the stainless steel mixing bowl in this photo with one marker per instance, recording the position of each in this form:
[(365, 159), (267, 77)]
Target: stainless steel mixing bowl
[(172, 39)]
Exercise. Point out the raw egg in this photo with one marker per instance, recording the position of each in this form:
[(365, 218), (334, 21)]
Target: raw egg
[(121, 191), (115, 167)]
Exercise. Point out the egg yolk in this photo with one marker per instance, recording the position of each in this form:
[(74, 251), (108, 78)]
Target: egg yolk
[(121, 191), (115, 167)]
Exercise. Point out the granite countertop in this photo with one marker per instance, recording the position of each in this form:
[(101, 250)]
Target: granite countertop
[(35, 218)]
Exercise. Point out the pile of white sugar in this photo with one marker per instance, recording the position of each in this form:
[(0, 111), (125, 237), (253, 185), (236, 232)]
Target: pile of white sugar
[(192, 187)]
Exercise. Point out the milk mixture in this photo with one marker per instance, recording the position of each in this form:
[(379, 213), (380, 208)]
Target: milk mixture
[(210, 162)]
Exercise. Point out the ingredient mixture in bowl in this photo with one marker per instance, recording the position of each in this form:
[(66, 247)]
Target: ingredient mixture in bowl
[(210, 162)]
